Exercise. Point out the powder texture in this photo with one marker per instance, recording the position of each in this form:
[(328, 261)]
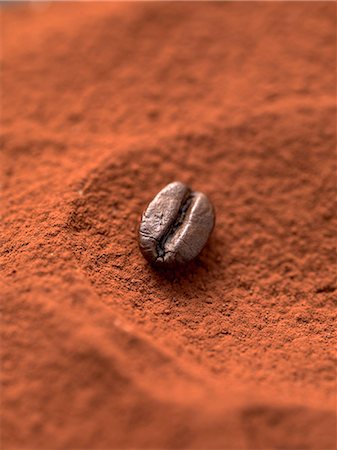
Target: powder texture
[(102, 106)]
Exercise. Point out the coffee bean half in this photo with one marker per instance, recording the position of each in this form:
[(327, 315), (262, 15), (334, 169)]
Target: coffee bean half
[(176, 225)]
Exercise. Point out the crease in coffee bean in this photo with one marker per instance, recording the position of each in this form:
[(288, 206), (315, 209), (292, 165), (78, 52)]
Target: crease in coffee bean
[(161, 252)]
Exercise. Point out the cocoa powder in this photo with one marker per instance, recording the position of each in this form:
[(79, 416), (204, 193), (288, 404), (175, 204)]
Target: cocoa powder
[(102, 105)]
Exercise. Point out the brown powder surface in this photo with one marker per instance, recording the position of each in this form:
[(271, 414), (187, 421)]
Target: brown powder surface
[(103, 104)]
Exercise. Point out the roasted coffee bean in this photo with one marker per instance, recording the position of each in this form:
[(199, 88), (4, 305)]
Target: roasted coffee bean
[(176, 225)]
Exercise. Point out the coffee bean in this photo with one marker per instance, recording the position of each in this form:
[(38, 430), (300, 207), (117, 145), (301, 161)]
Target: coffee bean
[(176, 225)]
